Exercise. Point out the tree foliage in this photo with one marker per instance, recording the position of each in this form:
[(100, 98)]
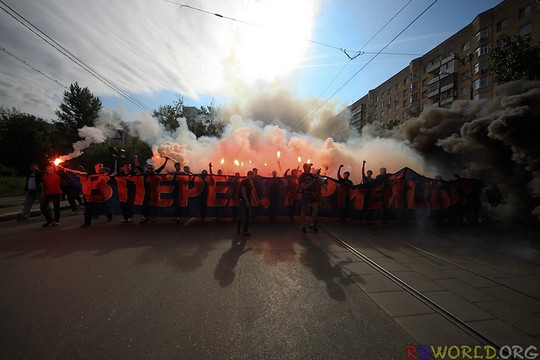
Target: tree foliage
[(515, 58), (24, 139), (204, 121), (79, 108), (168, 114)]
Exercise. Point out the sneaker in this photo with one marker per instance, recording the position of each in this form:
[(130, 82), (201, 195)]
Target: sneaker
[(129, 220), (54, 223), (47, 224), (303, 228), (313, 228), (123, 221)]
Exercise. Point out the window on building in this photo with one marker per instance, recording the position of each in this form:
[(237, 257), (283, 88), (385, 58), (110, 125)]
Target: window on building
[(501, 25), (482, 50), (413, 98), (464, 91), (382, 94), (414, 85), (396, 107), (465, 75), (525, 29), (481, 67), (397, 87), (524, 11), (424, 94), (482, 35), (397, 97), (414, 74), (404, 104), (382, 114), (481, 82), (481, 96), (465, 46)]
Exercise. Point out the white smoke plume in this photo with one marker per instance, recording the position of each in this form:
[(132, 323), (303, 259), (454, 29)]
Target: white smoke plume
[(103, 128)]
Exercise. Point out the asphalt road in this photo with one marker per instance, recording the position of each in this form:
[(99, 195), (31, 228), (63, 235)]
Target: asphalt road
[(169, 291)]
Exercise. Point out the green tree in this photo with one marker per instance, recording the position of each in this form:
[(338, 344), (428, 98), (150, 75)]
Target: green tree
[(206, 123), (202, 122), (24, 139), (168, 114), (515, 59), (79, 108)]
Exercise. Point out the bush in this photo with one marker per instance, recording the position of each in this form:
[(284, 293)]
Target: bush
[(7, 171), (12, 185)]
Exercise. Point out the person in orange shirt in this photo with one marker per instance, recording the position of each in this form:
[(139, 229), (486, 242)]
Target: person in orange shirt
[(50, 191)]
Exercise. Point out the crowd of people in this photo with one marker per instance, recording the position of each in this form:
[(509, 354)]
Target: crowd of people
[(50, 185)]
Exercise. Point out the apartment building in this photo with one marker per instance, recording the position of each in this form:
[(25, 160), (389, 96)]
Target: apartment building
[(456, 69)]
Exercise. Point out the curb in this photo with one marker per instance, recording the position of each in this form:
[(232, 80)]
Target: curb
[(33, 213)]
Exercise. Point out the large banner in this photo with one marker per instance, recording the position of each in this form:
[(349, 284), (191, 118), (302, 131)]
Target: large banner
[(402, 195)]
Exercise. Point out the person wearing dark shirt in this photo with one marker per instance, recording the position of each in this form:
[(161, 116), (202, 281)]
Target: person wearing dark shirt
[(244, 200), (127, 206), (273, 186), (292, 190), (345, 185), (308, 198), (366, 177), (151, 184), (32, 191)]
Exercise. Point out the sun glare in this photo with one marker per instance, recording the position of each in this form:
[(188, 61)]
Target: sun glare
[(278, 42)]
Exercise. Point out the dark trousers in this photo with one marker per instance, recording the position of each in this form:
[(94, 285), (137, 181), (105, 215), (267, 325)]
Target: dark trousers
[(127, 209), (243, 216), (46, 211), (95, 208)]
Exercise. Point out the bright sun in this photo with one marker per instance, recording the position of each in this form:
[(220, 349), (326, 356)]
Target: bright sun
[(279, 40)]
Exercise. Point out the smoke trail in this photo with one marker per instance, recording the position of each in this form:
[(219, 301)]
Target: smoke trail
[(103, 128)]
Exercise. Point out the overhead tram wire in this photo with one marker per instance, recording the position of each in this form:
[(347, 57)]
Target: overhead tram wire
[(47, 76), (369, 62), (347, 52), (50, 41), (33, 68), (302, 120)]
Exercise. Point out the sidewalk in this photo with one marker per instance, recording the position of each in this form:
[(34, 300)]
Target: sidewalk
[(11, 207)]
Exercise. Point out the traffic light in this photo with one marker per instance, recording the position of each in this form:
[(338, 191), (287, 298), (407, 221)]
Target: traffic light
[(117, 153), (113, 152)]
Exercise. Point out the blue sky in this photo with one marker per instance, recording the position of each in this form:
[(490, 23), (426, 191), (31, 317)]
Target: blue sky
[(156, 50)]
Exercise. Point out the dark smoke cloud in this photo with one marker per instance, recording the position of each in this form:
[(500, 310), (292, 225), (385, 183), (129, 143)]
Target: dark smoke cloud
[(497, 141)]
